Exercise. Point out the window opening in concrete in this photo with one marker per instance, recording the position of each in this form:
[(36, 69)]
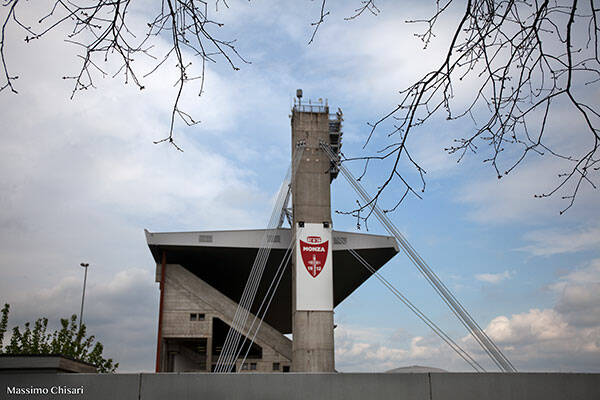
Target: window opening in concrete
[(275, 366), (205, 238), (286, 368), (186, 355), (253, 366), (197, 317), (219, 333), (274, 238)]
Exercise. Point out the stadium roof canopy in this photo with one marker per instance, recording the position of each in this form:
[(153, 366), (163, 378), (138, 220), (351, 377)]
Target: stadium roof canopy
[(224, 260)]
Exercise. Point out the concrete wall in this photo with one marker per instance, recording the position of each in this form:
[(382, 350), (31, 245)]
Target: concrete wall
[(185, 293), (422, 386)]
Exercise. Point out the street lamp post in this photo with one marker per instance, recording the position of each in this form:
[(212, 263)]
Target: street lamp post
[(84, 265)]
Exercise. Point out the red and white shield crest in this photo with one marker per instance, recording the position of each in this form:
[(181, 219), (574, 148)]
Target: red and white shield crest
[(314, 254)]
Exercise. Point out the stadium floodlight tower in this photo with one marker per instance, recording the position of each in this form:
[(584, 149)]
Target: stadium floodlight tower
[(203, 275), (312, 261)]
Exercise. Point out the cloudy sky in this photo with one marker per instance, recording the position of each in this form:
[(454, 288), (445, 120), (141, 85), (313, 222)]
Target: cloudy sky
[(81, 179)]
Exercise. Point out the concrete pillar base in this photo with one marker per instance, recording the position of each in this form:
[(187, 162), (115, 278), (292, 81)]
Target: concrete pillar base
[(312, 346)]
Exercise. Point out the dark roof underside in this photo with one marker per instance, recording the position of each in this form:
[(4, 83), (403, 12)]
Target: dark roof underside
[(227, 269)]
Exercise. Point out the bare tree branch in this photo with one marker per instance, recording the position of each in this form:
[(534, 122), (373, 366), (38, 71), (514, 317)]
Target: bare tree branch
[(526, 59), (318, 23), (101, 29), (526, 63)]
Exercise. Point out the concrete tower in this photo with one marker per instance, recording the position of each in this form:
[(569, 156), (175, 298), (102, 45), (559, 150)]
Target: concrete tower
[(202, 274), (312, 285)]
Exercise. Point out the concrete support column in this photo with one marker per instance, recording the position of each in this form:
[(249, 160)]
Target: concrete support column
[(312, 347), (209, 358)]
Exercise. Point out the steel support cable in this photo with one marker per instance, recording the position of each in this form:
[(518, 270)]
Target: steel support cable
[(434, 327), (411, 254), (238, 323), (466, 319), (247, 297), (283, 214), (276, 279), (245, 302), (240, 327), (244, 306), (228, 351), (226, 359), (438, 286), (233, 333), (455, 306), (479, 335)]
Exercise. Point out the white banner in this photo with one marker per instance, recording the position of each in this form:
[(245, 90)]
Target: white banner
[(314, 268)]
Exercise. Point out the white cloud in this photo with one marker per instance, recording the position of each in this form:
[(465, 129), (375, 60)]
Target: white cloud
[(376, 350), (551, 241), (579, 295), (545, 340), (526, 328), (511, 199), (563, 338), (356, 351), (82, 176), (382, 54), (590, 273), (120, 312), (494, 278), (81, 180)]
